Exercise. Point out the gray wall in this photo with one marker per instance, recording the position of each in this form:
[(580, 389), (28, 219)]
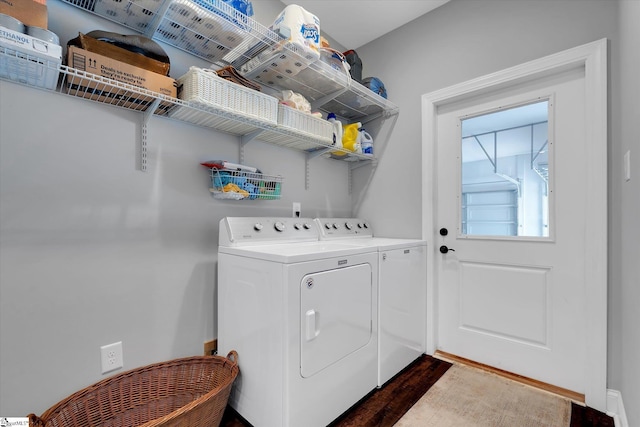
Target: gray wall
[(93, 251), (624, 287), (464, 39)]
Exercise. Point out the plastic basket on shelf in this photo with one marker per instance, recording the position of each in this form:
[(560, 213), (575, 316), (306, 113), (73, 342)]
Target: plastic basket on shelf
[(239, 185), (208, 32), (190, 391), (136, 14), (204, 87), (29, 60), (211, 29), (304, 123), (33, 70), (282, 60)]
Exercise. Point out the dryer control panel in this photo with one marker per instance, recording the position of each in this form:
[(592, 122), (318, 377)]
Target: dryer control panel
[(236, 231), (334, 228)]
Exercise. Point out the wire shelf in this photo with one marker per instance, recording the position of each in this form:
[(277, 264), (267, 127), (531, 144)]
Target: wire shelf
[(213, 30), (81, 84), (360, 102)]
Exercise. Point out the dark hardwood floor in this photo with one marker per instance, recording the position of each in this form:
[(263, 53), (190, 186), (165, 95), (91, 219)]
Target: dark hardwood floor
[(582, 416), (383, 407)]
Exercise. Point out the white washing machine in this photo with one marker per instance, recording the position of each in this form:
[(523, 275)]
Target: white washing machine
[(402, 284), (302, 315)]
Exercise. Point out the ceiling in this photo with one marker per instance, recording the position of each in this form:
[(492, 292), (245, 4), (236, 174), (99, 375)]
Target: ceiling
[(354, 23)]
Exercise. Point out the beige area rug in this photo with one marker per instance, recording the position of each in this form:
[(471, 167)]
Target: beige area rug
[(466, 397)]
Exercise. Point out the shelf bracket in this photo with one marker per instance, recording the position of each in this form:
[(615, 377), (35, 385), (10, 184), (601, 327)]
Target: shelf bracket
[(307, 161), (244, 140), (318, 153), (307, 173), (143, 136), (357, 165), (251, 136), (362, 163)]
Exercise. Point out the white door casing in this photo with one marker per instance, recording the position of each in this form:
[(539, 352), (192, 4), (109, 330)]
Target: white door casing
[(536, 278)]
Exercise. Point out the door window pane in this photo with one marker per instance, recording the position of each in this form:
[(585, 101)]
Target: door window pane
[(505, 172), (492, 213)]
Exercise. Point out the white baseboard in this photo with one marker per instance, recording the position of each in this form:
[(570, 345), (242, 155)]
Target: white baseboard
[(615, 408)]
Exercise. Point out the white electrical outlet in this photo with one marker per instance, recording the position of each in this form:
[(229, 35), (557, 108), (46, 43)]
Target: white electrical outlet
[(297, 209), (111, 357)]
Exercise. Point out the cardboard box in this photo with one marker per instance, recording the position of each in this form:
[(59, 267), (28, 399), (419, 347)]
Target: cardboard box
[(29, 60), (30, 12), (120, 54), (109, 68)]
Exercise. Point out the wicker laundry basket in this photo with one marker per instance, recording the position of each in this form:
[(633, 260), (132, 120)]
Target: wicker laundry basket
[(191, 391)]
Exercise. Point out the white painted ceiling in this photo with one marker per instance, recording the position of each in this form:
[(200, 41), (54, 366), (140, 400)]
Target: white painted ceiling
[(354, 23)]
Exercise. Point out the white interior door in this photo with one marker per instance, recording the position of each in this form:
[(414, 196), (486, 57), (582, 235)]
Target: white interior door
[(515, 300)]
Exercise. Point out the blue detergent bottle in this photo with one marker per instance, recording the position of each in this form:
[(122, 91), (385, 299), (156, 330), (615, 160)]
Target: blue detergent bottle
[(366, 142)]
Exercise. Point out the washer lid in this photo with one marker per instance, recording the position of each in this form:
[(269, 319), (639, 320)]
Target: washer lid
[(387, 243), (296, 252)]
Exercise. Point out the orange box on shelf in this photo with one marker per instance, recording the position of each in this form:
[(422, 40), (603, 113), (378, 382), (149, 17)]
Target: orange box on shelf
[(29, 12), (112, 69), (123, 55)]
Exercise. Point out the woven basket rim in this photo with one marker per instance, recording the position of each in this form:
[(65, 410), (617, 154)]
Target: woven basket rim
[(225, 362)]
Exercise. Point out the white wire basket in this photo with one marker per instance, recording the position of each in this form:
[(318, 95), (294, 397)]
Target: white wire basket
[(204, 87), (241, 185)]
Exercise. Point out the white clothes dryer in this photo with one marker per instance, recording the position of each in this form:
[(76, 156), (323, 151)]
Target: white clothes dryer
[(302, 315), (402, 296)]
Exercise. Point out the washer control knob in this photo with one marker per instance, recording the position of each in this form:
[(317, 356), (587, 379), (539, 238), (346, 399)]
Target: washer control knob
[(365, 225), (360, 225), (335, 226), (348, 225), (327, 226), (279, 226), (307, 226), (257, 226), (297, 226)]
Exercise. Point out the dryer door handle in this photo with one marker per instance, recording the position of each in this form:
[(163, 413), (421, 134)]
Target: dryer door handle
[(311, 317)]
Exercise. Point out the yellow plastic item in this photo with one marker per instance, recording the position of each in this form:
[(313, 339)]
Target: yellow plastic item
[(230, 187), (350, 135)]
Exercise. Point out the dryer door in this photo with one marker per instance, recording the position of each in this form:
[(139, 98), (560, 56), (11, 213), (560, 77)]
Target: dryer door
[(336, 316)]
